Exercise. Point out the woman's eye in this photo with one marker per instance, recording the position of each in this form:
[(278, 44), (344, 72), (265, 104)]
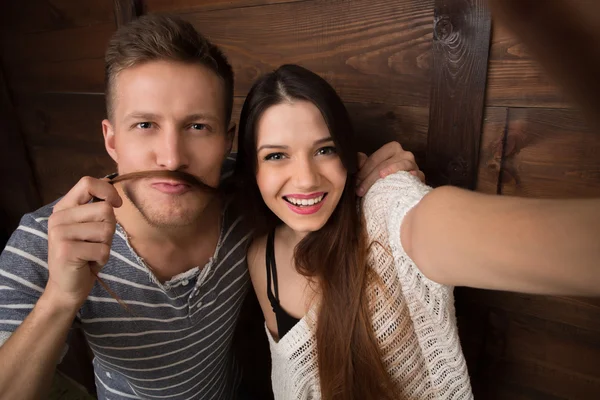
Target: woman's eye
[(326, 151), (274, 157), (144, 125)]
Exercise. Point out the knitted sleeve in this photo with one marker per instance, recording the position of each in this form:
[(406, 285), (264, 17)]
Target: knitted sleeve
[(388, 201)]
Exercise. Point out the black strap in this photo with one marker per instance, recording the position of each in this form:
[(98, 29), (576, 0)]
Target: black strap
[(272, 269), (285, 321)]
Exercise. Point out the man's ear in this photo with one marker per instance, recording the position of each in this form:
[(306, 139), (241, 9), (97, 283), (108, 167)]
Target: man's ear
[(109, 139), (230, 137)]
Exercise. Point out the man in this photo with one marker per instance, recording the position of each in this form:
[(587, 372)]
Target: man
[(171, 253)]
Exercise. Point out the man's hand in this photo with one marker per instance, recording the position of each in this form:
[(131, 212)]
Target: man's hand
[(389, 159), (79, 239)]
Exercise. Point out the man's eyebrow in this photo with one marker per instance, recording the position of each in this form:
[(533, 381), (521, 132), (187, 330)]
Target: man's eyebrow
[(202, 116), (142, 115)]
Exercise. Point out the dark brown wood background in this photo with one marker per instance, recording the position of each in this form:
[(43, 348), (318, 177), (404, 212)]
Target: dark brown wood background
[(459, 91)]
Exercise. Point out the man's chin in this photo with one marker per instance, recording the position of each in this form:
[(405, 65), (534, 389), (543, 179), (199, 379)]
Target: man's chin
[(170, 221)]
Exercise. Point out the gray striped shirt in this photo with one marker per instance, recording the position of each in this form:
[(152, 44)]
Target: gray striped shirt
[(175, 340)]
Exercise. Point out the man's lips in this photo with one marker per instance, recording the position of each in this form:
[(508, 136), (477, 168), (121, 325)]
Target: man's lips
[(171, 187)]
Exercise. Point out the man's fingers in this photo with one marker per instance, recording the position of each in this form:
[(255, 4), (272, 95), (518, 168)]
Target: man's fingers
[(83, 252), (92, 252), (362, 158), (91, 212), (394, 166), (378, 157), (85, 190), (93, 232)]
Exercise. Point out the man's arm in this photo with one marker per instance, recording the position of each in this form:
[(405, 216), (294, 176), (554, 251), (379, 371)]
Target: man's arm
[(30, 355), (79, 236)]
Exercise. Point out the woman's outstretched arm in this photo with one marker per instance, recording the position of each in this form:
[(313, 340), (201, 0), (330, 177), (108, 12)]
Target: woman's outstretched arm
[(461, 238)]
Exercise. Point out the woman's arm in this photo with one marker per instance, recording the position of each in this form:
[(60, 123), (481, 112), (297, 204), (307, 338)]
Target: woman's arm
[(461, 238)]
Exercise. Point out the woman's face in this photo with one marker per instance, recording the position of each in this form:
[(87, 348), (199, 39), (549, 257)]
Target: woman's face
[(299, 173)]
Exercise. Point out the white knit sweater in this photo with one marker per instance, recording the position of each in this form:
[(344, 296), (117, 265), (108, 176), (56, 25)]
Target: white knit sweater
[(415, 326)]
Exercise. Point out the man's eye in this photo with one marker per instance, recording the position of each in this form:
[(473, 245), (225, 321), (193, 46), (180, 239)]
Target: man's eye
[(274, 157), (144, 125), (198, 127)]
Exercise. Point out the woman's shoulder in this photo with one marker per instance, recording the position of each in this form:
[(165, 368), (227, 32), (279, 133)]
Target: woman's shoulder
[(400, 190), (256, 253), (400, 183)]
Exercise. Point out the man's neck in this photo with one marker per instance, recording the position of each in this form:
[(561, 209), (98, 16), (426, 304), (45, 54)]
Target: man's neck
[(168, 252)]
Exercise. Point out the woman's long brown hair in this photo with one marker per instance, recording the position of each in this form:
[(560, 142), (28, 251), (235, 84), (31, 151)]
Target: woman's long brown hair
[(349, 359)]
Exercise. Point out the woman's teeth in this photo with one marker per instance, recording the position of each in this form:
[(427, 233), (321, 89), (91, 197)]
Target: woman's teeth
[(304, 202)]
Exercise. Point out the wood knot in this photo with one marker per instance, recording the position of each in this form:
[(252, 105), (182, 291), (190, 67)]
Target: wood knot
[(443, 28)]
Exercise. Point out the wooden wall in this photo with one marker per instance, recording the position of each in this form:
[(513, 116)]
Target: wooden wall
[(381, 56), (534, 143)]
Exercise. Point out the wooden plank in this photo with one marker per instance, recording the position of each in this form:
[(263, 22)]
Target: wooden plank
[(571, 311), (58, 169), (75, 76), (515, 77), (377, 124), (49, 15), (495, 390), (491, 149), (127, 10), (54, 119), (78, 43), (460, 54), (190, 6), (371, 51), (551, 153), (471, 317), (566, 353), (564, 36), (20, 194), (550, 380), (555, 344)]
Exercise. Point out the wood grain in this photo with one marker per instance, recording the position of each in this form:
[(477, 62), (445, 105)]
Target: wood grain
[(55, 119), (50, 15), (58, 169), (516, 78), (460, 53), (44, 48), (491, 149), (551, 153), (19, 192), (189, 6), (563, 346), (565, 36), (371, 51), (575, 312)]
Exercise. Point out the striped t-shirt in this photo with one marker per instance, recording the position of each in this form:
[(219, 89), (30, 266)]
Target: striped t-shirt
[(175, 340)]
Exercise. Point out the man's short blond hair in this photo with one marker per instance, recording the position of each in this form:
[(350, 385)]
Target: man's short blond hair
[(163, 38)]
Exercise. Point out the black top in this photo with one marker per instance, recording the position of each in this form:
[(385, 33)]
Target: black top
[(285, 321)]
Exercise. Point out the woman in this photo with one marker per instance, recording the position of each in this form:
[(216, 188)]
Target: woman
[(359, 305)]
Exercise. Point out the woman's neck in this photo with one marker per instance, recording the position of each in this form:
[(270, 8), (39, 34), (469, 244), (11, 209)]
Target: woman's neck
[(290, 236)]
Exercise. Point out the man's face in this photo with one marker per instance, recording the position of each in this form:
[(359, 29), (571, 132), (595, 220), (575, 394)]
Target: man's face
[(168, 116)]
